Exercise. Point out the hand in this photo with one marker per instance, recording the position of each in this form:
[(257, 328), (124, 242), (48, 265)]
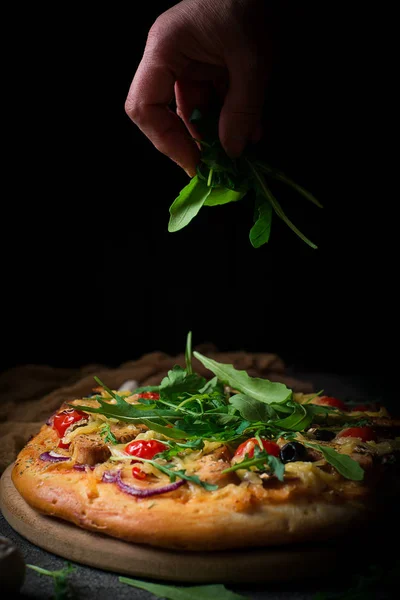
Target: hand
[(194, 50)]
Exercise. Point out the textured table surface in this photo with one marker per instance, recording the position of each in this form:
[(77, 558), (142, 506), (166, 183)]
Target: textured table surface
[(89, 583)]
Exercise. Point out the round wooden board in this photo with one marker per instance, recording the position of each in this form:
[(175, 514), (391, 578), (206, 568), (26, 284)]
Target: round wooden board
[(103, 552)]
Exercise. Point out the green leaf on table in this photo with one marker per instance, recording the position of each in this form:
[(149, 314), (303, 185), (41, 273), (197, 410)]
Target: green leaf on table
[(62, 590), (188, 203), (173, 592), (260, 389), (260, 232)]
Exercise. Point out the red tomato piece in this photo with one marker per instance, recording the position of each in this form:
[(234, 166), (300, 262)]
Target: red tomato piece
[(248, 448), (365, 433), (138, 473), (149, 395), (145, 448), (64, 419), (330, 401), (62, 445)]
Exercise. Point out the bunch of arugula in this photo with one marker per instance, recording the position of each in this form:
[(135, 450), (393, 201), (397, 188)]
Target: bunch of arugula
[(221, 180), (229, 408)]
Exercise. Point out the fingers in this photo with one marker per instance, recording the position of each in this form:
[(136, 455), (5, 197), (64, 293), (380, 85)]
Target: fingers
[(197, 90), (241, 114), (151, 92)]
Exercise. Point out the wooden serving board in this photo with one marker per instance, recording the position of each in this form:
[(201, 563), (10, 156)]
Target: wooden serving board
[(103, 552)]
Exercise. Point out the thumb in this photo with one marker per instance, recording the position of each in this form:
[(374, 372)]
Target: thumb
[(241, 114)]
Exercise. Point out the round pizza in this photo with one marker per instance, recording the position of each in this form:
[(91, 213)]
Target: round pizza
[(212, 464)]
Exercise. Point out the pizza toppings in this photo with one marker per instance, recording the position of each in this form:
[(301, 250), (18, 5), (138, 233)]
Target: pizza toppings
[(145, 448), (63, 420), (293, 452), (89, 450), (366, 434), (330, 401), (53, 457), (115, 477), (229, 429), (247, 448), (324, 435), (138, 473)]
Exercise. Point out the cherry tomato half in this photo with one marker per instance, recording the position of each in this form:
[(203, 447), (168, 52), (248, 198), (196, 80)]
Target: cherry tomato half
[(62, 445), (64, 419), (248, 447), (149, 395), (365, 433), (138, 473), (145, 448), (330, 401)]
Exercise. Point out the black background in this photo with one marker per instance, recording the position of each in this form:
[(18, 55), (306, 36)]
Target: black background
[(90, 272)]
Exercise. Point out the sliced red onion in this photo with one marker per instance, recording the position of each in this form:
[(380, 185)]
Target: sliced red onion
[(53, 457), (83, 467), (110, 477), (50, 420)]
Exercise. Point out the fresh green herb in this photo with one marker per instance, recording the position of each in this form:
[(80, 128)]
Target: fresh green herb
[(221, 180), (107, 434), (260, 389), (229, 408), (176, 448), (343, 463), (261, 459), (188, 354), (62, 590), (172, 592), (169, 469)]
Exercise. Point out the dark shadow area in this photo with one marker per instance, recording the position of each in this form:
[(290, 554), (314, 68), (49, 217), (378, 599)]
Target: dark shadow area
[(90, 272)]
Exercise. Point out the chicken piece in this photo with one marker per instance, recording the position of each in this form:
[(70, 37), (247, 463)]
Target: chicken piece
[(209, 468), (126, 433), (89, 450)]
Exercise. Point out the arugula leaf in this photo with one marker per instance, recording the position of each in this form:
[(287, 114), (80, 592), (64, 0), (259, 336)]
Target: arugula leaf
[(221, 180), (174, 473), (219, 196), (178, 381), (171, 432), (250, 408), (176, 448), (188, 203), (130, 413), (343, 463), (260, 232), (62, 589), (261, 458), (107, 434), (278, 175), (300, 419), (188, 354), (173, 592), (260, 389), (276, 206)]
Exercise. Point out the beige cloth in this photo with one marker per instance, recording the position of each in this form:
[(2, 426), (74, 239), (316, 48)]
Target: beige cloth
[(30, 394)]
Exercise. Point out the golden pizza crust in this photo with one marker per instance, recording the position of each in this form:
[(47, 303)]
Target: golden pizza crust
[(237, 515)]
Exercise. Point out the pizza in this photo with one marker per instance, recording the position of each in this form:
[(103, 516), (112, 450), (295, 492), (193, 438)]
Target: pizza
[(216, 463)]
